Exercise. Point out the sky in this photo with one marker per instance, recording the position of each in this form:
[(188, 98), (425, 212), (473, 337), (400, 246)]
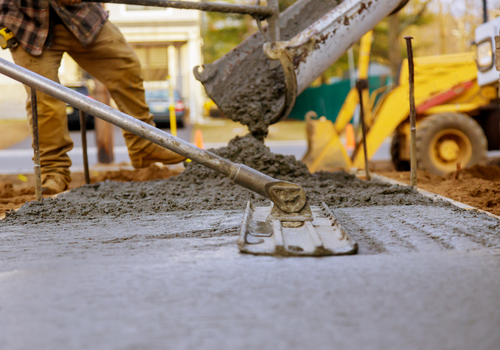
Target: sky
[(460, 7)]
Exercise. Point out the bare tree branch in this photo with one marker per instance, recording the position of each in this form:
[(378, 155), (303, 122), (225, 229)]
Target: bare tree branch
[(413, 19)]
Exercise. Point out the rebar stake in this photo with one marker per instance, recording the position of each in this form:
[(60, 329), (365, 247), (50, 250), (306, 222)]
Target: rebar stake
[(36, 146), (413, 115), (83, 130), (362, 84)]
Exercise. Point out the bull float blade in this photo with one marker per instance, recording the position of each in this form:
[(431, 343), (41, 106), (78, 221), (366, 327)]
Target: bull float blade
[(322, 236)]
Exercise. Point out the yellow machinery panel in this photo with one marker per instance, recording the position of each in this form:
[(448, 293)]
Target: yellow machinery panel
[(324, 151), (433, 75)]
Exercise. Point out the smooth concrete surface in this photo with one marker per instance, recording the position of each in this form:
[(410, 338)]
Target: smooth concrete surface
[(177, 281)]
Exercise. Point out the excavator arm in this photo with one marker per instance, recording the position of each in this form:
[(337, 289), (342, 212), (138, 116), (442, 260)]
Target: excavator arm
[(325, 150)]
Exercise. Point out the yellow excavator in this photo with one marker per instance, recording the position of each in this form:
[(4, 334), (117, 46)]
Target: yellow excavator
[(458, 114)]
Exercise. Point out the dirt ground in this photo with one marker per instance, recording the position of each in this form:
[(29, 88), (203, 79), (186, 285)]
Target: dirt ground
[(478, 186), (15, 190)]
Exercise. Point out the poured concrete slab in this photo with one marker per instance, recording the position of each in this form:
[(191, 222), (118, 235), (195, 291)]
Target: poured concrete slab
[(425, 277)]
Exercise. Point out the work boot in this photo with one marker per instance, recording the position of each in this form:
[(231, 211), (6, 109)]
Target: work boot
[(156, 154), (53, 185)]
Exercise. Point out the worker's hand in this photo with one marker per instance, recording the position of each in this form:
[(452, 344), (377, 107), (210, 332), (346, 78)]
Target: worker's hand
[(70, 2)]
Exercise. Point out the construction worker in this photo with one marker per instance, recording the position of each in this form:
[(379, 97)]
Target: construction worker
[(45, 30)]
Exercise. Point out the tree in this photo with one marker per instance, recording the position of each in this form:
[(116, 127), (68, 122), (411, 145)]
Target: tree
[(223, 32), (413, 15)]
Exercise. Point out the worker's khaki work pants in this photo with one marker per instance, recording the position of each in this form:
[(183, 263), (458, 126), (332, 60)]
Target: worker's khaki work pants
[(111, 60)]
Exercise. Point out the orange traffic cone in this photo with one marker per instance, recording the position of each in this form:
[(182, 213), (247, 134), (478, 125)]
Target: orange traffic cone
[(198, 139), (350, 142)]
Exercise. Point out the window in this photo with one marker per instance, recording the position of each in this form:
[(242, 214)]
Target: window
[(154, 61), (484, 53)]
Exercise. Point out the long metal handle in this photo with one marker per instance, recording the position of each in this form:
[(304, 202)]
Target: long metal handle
[(239, 173), (260, 11)]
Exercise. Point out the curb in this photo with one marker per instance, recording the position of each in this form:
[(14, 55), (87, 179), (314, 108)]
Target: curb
[(434, 196)]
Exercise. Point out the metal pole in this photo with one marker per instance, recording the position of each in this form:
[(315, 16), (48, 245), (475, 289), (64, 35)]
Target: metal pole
[(485, 11), (361, 85), (36, 146), (260, 11), (274, 28), (104, 133), (171, 107), (413, 114), (83, 129)]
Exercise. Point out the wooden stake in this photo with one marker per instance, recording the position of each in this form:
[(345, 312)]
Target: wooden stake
[(457, 173), (103, 130)]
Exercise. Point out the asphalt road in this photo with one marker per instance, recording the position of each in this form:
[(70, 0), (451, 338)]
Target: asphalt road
[(18, 158)]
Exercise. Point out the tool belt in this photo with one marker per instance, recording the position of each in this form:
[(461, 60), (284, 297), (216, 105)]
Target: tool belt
[(7, 39)]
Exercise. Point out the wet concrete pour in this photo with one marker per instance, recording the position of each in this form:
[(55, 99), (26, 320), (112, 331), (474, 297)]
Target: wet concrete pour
[(155, 265), (147, 283)]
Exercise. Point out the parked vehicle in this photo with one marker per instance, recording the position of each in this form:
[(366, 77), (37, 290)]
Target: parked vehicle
[(159, 106), (74, 113)]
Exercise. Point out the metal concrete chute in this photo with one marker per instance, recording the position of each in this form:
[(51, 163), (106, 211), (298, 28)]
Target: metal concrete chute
[(311, 51)]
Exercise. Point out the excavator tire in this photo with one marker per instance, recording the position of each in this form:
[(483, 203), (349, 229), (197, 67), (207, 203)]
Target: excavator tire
[(399, 164), (445, 139)]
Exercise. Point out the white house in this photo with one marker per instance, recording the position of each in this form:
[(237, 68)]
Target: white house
[(167, 42), (12, 94)]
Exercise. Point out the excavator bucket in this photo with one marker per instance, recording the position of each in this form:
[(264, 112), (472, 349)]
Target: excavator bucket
[(324, 148)]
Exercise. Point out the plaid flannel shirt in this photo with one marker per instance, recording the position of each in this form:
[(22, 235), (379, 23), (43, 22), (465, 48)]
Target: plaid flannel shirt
[(29, 21)]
